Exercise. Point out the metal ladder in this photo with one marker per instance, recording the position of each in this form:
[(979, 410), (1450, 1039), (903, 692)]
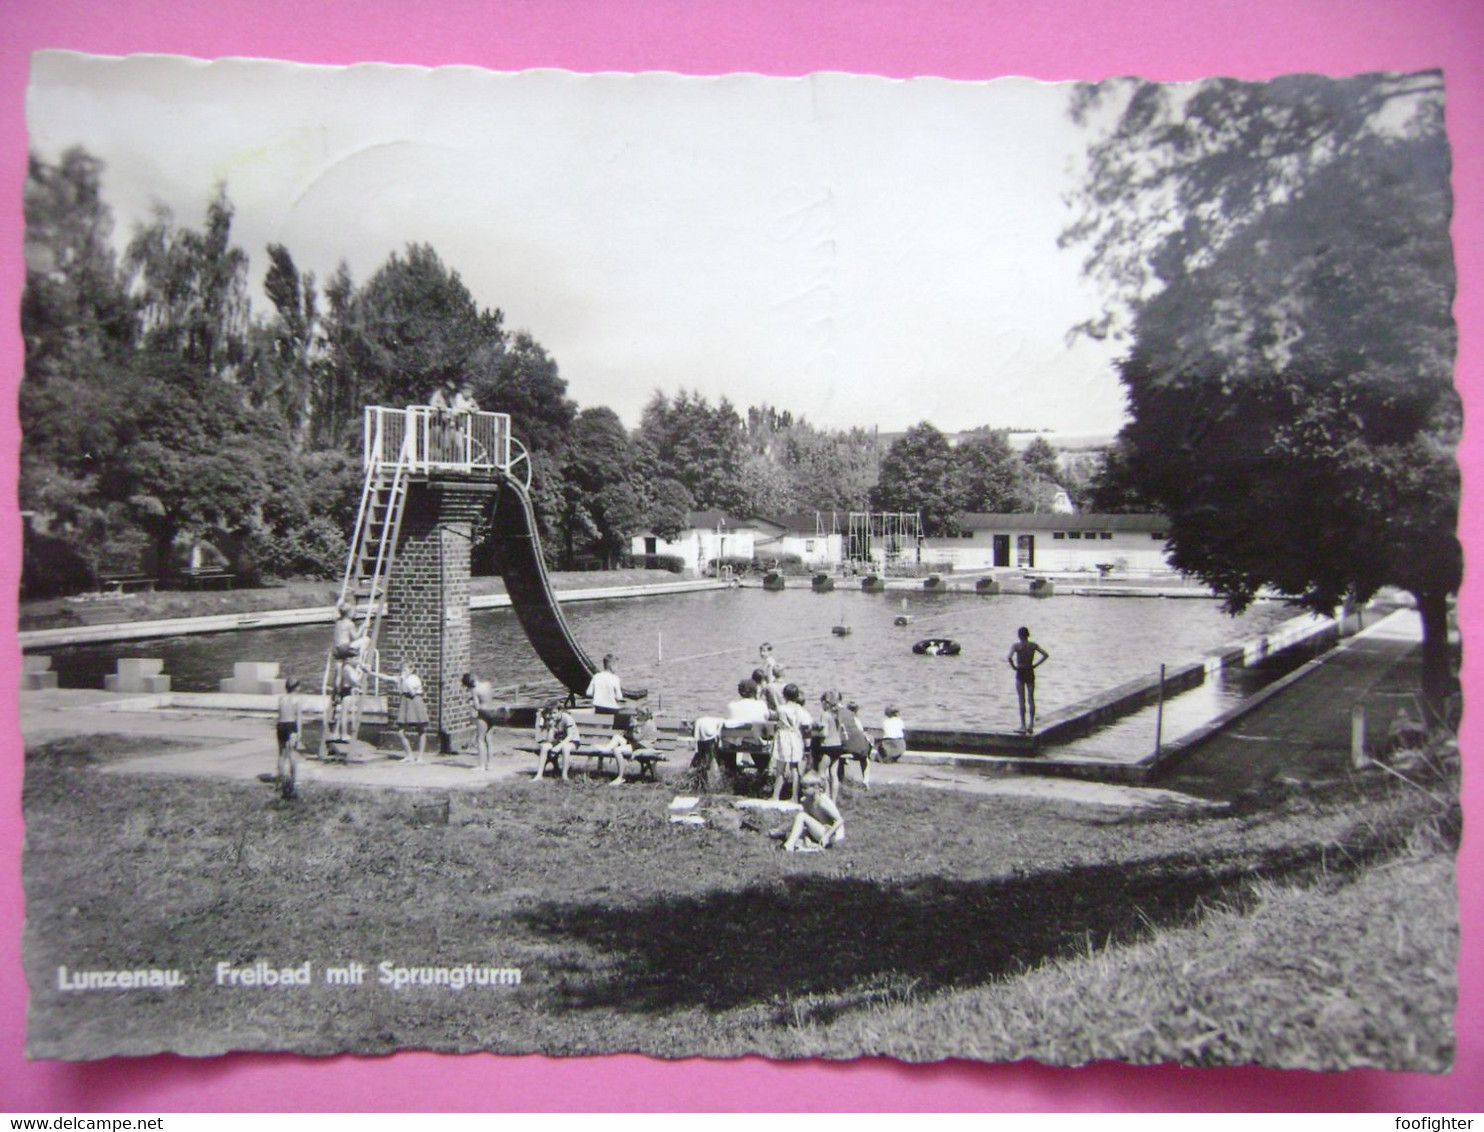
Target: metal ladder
[(368, 567)]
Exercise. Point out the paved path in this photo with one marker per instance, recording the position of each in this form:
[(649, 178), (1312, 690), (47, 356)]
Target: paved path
[(1302, 732)]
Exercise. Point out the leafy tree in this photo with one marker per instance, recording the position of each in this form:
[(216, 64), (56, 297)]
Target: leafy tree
[(293, 338), (192, 287), (192, 458), (598, 465), (419, 331), (669, 504), (335, 410), (1284, 264), (75, 312), (766, 487), (988, 472), (918, 474), (699, 445), (516, 375)]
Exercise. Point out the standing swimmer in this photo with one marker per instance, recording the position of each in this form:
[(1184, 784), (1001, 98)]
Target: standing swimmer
[(290, 724), (1023, 660)]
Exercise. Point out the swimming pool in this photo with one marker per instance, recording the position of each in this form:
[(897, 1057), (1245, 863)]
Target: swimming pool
[(691, 649)]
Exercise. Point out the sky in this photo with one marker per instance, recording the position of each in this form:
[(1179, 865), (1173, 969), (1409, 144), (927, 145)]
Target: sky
[(861, 251)]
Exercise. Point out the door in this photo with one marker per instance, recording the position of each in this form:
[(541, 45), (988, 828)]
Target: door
[(1025, 551), (1002, 550)]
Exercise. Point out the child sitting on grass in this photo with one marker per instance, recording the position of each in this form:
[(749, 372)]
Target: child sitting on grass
[(638, 735), (290, 723), (819, 824), (556, 737)]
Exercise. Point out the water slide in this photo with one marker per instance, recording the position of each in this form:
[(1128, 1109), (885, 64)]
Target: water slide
[(519, 548)]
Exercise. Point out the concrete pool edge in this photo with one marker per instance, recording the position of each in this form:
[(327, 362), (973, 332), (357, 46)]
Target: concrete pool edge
[(1147, 769), (113, 631)]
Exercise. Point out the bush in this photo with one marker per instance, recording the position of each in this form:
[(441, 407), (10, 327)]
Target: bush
[(790, 565), (314, 548), (737, 564), (671, 562)]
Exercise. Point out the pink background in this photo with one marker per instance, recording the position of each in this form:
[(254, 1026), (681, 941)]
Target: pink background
[(961, 39)]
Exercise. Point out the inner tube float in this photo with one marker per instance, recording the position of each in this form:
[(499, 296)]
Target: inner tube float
[(841, 630), (902, 619), (936, 646)]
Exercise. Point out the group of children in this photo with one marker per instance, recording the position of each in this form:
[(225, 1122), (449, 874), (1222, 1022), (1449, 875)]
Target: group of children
[(799, 749), (557, 738)]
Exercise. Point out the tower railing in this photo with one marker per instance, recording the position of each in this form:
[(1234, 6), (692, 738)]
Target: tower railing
[(442, 440)]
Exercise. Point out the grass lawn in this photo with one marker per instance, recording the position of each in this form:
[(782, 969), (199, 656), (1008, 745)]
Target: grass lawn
[(1318, 929), (59, 613)]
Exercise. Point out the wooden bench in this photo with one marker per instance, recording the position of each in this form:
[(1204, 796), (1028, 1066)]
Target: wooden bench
[(120, 584), (648, 758), (204, 577)]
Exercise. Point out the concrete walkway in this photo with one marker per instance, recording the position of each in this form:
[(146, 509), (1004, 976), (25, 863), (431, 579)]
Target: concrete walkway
[(1300, 731)]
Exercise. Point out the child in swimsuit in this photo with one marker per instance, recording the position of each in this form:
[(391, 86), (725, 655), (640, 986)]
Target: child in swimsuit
[(290, 722), (557, 738), (788, 740)]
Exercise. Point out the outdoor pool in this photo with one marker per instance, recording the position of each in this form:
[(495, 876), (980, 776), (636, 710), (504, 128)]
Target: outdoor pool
[(691, 649)]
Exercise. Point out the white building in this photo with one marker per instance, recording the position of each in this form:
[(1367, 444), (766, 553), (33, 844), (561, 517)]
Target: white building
[(708, 536), (813, 537), (1053, 542)]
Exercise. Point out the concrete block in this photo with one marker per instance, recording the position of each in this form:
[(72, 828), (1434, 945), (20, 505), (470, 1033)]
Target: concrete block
[(154, 684), (136, 668), (33, 663), (38, 681), (252, 671)]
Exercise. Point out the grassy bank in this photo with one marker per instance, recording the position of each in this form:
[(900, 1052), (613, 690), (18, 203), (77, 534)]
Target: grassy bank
[(1319, 930), (61, 613)]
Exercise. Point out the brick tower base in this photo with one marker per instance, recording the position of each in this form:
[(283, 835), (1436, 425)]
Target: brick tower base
[(427, 616)]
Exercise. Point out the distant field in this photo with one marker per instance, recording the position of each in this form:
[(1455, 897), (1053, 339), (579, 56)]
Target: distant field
[(1317, 930)]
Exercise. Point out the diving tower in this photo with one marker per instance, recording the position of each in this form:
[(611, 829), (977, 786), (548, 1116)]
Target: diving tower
[(432, 477)]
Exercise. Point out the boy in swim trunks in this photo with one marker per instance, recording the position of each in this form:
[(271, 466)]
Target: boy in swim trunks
[(290, 722), (1023, 660), (487, 713)]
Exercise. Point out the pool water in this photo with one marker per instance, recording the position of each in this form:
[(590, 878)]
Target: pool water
[(691, 649)]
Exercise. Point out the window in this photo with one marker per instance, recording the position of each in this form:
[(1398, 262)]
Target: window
[(1156, 534), (1105, 534), (965, 534), (808, 546), (1058, 534), (1074, 534)]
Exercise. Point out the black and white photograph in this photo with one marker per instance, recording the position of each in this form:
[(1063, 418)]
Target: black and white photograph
[(822, 567)]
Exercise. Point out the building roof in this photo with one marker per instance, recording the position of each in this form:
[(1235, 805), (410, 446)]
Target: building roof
[(1044, 521), (711, 520), (811, 523)]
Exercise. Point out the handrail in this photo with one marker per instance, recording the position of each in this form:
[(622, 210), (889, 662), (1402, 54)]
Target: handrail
[(443, 440)]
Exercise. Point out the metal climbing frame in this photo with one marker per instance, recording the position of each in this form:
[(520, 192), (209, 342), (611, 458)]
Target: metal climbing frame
[(883, 541)]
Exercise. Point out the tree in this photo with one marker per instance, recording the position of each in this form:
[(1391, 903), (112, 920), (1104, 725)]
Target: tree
[(191, 457), (918, 474), (669, 506), (1286, 273), (988, 472), (75, 312), (419, 331), (517, 376), (293, 337), (191, 287), (600, 503), (698, 445)]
